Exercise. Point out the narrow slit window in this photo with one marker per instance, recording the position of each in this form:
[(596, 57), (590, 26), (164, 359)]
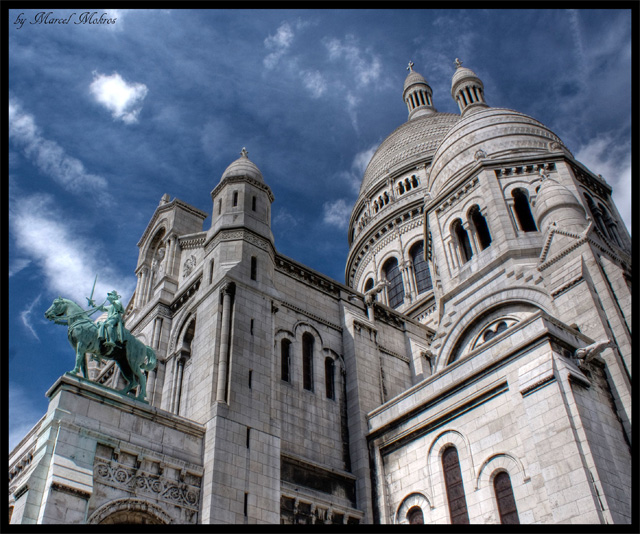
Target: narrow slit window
[(235, 198), (254, 267), (219, 206), (329, 378), (253, 203), (285, 355), (248, 437), (211, 264), (307, 361)]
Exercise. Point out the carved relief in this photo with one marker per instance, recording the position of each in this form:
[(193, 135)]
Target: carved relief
[(189, 265), (185, 494)]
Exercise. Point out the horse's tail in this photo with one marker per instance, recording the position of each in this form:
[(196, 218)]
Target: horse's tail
[(151, 360)]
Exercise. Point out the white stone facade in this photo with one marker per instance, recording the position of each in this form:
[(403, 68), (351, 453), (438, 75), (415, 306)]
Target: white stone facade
[(441, 384)]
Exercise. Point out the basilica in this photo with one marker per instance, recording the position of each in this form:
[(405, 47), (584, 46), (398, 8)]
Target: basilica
[(473, 368)]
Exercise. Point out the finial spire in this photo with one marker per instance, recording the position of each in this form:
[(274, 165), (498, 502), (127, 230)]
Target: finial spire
[(458, 63), (410, 67), (244, 153)]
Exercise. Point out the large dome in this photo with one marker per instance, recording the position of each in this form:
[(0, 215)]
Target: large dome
[(411, 142), (488, 133)]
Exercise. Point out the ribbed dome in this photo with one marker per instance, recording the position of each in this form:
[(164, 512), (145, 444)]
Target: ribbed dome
[(412, 79), (463, 73), (488, 133), (414, 141), (243, 166)]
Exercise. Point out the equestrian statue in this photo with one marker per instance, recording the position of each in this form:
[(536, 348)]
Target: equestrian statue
[(107, 339)]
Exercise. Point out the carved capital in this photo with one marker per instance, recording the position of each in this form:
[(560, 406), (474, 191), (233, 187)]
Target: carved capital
[(229, 289)]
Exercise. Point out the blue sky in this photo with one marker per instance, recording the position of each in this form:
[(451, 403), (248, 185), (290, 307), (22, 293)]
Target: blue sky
[(106, 118)]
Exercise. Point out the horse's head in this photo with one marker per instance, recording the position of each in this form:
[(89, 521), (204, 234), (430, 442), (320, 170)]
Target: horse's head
[(57, 309)]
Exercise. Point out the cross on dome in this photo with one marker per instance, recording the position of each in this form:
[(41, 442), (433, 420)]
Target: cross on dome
[(458, 63), (244, 153), (410, 67)]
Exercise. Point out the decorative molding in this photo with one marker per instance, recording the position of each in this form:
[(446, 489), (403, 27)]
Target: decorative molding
[(76, 492), (240, 179), (385, 350), (192, 241), (314, 279), (182, 494), (386, 315), (457, 194), (311, 316), (183, 297), (538, 385), (175, 203), (515, 170)]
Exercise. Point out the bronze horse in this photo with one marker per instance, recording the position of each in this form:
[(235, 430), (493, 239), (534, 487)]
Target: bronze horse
[(132, 356)]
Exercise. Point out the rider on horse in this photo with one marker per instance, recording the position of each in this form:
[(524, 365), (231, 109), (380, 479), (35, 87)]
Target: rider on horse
[(110, 330)]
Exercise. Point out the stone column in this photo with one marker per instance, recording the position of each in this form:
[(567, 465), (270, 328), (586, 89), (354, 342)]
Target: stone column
[(155, 341), (136, 302), (227, 295), (174, 246), (143, 287)]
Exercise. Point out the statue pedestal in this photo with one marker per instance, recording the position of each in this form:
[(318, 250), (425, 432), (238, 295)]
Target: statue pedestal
[(101, 457)]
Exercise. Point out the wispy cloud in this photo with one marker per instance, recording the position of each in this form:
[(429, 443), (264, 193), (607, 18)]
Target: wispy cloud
[(124, 100), (365, 65), (69, 262), (17, 265), (278, 43), (49, 156), (337, 213), (314, 82), (25, 317)]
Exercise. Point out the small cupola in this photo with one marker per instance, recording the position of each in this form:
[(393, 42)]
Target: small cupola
[(467, 89), (417, 94), (242, 199)]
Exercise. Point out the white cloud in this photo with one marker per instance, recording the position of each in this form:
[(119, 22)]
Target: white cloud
[(122, 99), (337, 213), (69, 261), (365, 65), (314, 81), (602, 155), (49, 156), (279, 43), (25, 317), (23, 414), (17, 265)]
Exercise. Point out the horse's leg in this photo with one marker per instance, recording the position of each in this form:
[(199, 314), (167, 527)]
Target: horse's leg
[(142, 380), (79, 361)]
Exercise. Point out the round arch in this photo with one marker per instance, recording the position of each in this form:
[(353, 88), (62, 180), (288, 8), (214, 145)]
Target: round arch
[(129, 511), (487, 303), (419, 499)]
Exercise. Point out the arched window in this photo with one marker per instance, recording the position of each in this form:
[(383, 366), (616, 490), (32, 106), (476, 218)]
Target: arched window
[(415, 516), (285, 360), (506, 501), (596, 214), (329, 379), (481, 227), (610, 225), (462, 240), (395, 290), (455, 489), (523, 210), (420, 268), (368, 285), (307, 361)]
